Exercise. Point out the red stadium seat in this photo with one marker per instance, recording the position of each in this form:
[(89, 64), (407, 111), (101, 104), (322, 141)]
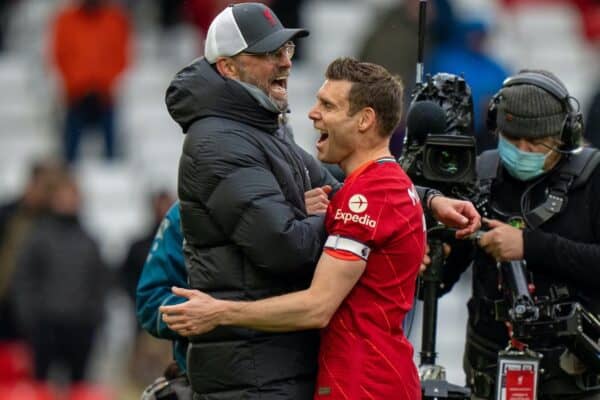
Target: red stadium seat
[(26, 390), (90, 392), (516, 3), (16, 362), (588, 9)]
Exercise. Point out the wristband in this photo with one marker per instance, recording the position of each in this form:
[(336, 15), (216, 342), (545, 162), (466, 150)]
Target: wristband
[(431, 194)]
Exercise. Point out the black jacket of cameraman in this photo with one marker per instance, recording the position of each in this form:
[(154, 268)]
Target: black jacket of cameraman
[(532, 113), (564, 252)]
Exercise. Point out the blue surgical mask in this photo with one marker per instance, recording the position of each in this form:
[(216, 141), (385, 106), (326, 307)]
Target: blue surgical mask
[(523, 165)]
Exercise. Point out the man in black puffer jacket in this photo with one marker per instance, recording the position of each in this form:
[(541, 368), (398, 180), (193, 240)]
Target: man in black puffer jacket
[(242, 181)]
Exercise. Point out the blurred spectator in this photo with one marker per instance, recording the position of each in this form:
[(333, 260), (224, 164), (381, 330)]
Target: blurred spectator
[(169, 13), (393, 43), (138, 251), (89, 47), (149, 356), (289, 13), (463, 53), (16, 219), (170, 16), (59, 286), (590, 13), (164, 268), (588, 9), (5, 6), (200, 13)]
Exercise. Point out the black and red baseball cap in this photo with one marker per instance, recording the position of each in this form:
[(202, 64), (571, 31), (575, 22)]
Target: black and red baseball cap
[(249, 27)]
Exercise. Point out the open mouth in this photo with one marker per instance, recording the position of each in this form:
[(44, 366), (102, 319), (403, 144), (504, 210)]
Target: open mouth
[(324, 136), (279, 85)]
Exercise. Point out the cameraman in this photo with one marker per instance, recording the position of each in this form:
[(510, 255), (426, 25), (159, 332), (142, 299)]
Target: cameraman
[(539, 132)]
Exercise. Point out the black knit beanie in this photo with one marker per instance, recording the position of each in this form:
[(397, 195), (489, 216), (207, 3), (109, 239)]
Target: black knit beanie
[(527, 111)]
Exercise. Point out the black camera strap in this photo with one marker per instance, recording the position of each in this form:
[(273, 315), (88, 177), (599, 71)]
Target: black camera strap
[(487, 170), (572, 173)]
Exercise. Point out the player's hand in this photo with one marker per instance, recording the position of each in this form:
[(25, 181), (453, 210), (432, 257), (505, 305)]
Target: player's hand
[(502, 241), (317, 200), (459, 214), (196, 316)]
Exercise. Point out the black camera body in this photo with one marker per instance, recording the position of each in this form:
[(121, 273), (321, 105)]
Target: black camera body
[(548, 317), (439, 146), (449, 159)]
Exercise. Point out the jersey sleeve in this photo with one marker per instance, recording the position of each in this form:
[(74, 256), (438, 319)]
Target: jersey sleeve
[(342, 254), (373, 211), (355, 218)]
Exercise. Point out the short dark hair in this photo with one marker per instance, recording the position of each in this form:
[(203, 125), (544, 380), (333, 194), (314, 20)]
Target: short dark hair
[(372, 86)]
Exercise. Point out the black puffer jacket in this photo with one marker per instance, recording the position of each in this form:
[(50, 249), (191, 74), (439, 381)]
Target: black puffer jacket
[(247, 235)]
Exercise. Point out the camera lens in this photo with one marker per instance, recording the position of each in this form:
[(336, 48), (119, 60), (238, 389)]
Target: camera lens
[(447, 163)]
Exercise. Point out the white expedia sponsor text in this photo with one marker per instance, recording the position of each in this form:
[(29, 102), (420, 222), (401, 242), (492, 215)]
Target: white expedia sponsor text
[(349, 217)]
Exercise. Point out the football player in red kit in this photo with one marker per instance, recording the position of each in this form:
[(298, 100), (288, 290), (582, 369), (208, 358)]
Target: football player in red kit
[(364, 282), (376, 238)]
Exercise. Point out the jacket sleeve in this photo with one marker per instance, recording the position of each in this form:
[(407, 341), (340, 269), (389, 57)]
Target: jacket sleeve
[(424, 193), (576, 261), (163, 269), (571, 260), (251, 209)]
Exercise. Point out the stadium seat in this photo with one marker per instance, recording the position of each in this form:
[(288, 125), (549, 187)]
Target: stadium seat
[(90, 392), (26, 390), (16, 362)]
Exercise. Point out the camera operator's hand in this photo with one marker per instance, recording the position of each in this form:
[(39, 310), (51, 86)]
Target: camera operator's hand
[(458, 214), (317, 200), (502, 241)]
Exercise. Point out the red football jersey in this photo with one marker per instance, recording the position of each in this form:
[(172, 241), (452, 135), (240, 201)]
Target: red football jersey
[(364, 353)]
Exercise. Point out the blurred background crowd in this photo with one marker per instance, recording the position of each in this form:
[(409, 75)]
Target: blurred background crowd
[(88, 153)]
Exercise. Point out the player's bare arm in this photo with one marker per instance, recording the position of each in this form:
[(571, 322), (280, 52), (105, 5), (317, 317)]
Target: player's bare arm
[(307, 309)]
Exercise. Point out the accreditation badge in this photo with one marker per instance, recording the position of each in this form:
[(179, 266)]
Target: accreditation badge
[(517, 375)]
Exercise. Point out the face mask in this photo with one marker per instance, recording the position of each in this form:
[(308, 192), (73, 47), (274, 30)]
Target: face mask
[(523, 165)]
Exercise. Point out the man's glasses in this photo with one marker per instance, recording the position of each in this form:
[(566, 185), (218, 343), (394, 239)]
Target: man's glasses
[(288, 49)]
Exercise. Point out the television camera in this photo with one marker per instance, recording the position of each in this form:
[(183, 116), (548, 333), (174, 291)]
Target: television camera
[(439, 152), (533, 318), (439, 147)]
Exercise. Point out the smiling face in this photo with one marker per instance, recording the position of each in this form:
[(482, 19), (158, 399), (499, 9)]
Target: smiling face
[(270, 74), (338, 130)]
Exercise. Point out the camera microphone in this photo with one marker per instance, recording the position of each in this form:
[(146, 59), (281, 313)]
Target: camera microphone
[(424, 118)]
